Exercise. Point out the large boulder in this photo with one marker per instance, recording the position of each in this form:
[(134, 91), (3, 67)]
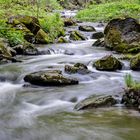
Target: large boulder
[(30, 22), (135, 62), (49, 78), (86, 28), (123, 35), (108, 63), (77, 68), (75, 35), (96, 102), (131, 98)]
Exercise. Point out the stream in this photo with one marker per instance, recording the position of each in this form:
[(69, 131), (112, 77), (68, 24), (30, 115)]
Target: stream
[(30, 112)]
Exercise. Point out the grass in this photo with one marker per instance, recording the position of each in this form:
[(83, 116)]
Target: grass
[(50, 22), (131, 83), (110, 9)]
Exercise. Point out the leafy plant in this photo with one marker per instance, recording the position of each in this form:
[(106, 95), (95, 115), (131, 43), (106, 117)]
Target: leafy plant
[(130, 82), (14, 37)]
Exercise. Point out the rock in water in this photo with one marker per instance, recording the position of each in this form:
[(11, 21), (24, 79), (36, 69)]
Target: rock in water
[(95, 102), (75, 35), (49, 78), (123, 35), (131, 98), (69, 22), (97, 35), (108, 63), (135, 62), (77, 68), (86, 28)]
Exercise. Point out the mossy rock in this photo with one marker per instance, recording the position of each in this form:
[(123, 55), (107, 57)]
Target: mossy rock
[(75, 35), (108, 63), (77, 68), (62, 40), (97, 35), (135, 62), (69, 22), (86, 28), (5, 49), (49, 78), (42, 37), (30, 22), (123, 35), (96, 102)]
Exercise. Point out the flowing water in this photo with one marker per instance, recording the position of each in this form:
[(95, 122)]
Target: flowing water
[(46, 113)]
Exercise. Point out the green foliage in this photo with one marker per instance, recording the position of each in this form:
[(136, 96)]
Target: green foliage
[(110, 9), (52, 24), (130, 82), (14, 37)]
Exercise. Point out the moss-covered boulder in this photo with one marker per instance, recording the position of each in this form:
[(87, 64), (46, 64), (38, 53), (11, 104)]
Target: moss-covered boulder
[(75, 35), (5, 49), (77, 68), (123, 35), (97, 35), (96, 102), (135, 62), (69, 22), (49, 78), (30, 22), (86, 28), (108, 63), (131, 98), (42, 37), (62, 40)]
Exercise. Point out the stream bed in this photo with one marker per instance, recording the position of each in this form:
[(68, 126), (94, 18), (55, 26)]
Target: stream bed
[(46, 113)]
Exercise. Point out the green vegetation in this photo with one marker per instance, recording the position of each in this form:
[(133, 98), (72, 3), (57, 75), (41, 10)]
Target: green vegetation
[(109, 9), (131, 83), (51, 23)]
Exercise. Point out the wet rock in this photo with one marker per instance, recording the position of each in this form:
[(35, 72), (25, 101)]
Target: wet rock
[(135, 62), (69, 22), (99, 43), (26, 49), (62, 40), (123, 35), (96, 102), (97, 35), (75, 35), (108, 63), (77, 68), (86, 28), (131, 98), (49, 78)]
